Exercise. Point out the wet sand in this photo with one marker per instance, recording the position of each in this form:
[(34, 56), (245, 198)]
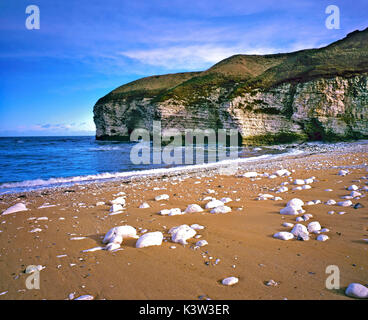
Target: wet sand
[(242, 239)]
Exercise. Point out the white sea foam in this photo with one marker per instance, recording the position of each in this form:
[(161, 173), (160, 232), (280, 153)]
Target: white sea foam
[(57, 182)]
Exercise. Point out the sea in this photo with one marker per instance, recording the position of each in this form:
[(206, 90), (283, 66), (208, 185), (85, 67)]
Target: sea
[(30, 163)]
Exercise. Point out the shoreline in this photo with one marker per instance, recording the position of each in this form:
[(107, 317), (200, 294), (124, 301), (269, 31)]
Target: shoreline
[(108, 177), (242, 239)]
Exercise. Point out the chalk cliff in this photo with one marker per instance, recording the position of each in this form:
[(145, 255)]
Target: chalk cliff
[(316, 94)]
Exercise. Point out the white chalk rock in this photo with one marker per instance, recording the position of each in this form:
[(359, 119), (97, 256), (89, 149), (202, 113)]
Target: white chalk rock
[(250, 175), (355, 194), (221, 209), (306, 187), (309, 181), (150, 239), (193, 208), (120, 200), (144, 205), (226, 200), (346, 203), (197, 227), (175, 212), (291, 211), (85, 297), (182, 233), (283, 235), (297, 203), (112, 246), (201, 243), (330, 202), (314, 226), (299, 182), (116, 208), (100, 203), (299, 230), (230, 281), (164, 212), (16, 208), (282, 189), (343, 172), (117, 234), (282, 172), (288, 225), (322, 237), (299, 219), (213, 204), (356, 290), (325, 230), (353, 187), (162, 197)]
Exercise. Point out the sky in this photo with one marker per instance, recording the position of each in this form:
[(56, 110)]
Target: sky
[(51, 77)]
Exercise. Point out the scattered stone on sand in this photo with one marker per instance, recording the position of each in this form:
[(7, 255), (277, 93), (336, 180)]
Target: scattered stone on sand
[(197, 227), (299, 182), (288, 224), (230, 281), (346, 203), (162, 197), (116, 208), (221, 209), (193, 208), (85, 297), (117, 234), (343, 172), (283, 235), (213, 204), (150, 239), (353, 187), (181, 234), (356, 290), (299, 230), (330, 202), (36, 230), (94, 249), (322, 237), (201, 243), (144, 205), (314, 226), (271, 283), (16, 208), (119, 200), (100, 203), (293, 207), (251, 174), (226, 200)]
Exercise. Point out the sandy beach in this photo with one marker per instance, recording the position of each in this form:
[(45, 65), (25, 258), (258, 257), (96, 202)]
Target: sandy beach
[(241, 243)]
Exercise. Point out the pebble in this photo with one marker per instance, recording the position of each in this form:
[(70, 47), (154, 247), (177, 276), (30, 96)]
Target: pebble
[(353, 187), (144, 205), (150, 239), (283, 235), (356, 290), (193, 208), (213, 204), (201, 243), (221, 209), (230, 281), (330, 202), (314, 226), (346, 203), (85, 297), (299, 230), (16, 208), (250, 175), (322, 237), (162, 197), (197, 226), (181, 234), (288, 225)]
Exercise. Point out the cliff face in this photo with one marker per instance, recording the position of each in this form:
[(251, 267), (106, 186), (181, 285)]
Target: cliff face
[(312, 94)]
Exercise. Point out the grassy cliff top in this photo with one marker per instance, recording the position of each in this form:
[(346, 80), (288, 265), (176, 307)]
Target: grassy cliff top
[(346, 57)]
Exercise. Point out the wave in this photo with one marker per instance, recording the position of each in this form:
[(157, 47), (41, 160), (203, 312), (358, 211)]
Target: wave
[(29, 185)]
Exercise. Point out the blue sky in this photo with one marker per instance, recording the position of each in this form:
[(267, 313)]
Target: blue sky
[(50, 78)]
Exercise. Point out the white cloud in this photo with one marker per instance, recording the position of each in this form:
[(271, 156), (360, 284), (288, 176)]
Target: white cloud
[(196, 57)]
